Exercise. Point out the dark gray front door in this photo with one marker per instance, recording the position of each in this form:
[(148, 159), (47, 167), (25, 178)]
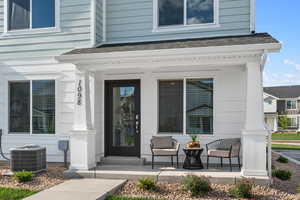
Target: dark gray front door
[(122, 118)]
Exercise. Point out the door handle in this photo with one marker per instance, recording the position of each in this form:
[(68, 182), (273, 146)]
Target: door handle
[(137, 123)]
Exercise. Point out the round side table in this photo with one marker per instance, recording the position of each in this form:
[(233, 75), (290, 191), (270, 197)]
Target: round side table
[(193, 158)]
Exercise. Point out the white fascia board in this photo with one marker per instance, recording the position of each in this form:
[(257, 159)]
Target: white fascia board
[(269, 95), (213, 50)]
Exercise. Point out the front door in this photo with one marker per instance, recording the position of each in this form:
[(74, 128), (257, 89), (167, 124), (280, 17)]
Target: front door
[(122, 118)]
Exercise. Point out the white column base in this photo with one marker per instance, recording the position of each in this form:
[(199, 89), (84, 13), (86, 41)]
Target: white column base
[(83, 149), (254, 153)]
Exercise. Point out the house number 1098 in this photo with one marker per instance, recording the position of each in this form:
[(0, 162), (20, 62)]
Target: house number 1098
[(79, 93)]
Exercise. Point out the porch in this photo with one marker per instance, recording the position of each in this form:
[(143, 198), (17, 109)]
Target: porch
[(215, 92)]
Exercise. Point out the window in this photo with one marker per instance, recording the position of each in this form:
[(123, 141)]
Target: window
[(31, 14), (292, 122), (171, 106), (291, 105), (32, 107), (186, 12), (198, 106)]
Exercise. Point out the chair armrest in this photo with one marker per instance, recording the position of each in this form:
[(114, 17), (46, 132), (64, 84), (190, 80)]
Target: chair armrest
[(213, 144), (151, 147)]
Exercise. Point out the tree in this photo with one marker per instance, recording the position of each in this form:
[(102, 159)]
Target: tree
[(283, 122)]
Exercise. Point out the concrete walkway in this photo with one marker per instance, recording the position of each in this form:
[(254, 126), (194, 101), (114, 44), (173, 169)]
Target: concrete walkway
[(293, 155), (80, 189)]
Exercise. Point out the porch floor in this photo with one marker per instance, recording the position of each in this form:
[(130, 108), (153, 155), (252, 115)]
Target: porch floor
[(161, 173)]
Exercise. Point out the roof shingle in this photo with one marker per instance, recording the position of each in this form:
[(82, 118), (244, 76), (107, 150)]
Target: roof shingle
[(257, 38), (292, 91)]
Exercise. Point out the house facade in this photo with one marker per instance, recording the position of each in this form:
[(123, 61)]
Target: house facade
[(282, 102), (109, 75)]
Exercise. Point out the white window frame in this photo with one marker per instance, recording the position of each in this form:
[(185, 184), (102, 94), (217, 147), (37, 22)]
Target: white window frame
[(291, 100), (184, 106), (31, 30), (30, 133), (184, 26), (295, 118)]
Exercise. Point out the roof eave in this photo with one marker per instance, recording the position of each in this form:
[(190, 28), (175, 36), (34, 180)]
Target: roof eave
[(263, 48)]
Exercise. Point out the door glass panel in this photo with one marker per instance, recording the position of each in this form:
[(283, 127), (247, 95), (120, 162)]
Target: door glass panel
[(123, 117)]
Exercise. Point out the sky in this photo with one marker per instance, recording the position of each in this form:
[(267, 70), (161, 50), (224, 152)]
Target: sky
[(282, 21)]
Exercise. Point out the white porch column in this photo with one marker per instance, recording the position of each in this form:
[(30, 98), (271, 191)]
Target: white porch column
[(254, 133), (83, 135)]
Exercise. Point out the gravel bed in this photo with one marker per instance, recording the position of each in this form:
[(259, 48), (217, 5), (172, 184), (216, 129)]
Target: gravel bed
[(175, 191), (41, 181), (291, 185), (280, 190)]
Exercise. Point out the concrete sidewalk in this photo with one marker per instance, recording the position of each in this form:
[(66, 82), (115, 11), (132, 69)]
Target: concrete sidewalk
[(80, 189)]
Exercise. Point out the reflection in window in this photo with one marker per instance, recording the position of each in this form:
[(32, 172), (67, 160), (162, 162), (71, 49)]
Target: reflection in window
[(171, 106), (124, 116), (291, 105), (292, 122), (19, 113), (199, 106), (19, 14), (43, 107), (200, 11), (170, 12), (23, 15)]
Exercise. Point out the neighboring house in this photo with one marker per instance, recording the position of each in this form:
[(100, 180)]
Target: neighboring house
[(124, 71), (282, 101)]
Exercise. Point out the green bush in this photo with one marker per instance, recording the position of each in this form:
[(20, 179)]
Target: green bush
[(282, 174), (298, 189), (148, 184), (243, 189), (282, 159), (197, 185), (23, 176)]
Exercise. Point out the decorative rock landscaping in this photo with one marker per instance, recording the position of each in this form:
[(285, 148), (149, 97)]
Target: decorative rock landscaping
[(40, 181)]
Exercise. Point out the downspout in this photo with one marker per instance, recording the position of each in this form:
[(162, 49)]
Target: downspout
[(252, 16), (1, 151), (104, 21), (93, 23)]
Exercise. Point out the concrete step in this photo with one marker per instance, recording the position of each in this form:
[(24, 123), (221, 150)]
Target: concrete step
[(118, 160)]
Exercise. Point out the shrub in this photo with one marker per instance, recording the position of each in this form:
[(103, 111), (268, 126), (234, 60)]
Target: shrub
[(197, 185), (283, 122), (298, 189), (282, 174), (147, 184), (282, 159), (23, 176), (243, 189)]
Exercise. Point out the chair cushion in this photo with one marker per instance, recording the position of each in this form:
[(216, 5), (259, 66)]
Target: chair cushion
[(164, 152), (163, 142), (218, 153)]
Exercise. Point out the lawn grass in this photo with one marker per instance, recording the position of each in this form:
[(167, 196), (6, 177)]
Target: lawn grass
[(14, 194), (116, 197), (286, 136), (285, 146)]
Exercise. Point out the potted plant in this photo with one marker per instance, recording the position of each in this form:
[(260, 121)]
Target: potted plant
[(194, 143)]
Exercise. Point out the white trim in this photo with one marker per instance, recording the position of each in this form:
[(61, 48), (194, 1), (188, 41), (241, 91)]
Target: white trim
[(8, 107), (291, 100), (184, 79), (267, 94), (104, 20), (185, 26), (31, 30), (295, 118), (252, 15)]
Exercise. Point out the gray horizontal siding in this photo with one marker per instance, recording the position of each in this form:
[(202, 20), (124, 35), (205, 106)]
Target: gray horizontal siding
[(75, 24), (132, 21)]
